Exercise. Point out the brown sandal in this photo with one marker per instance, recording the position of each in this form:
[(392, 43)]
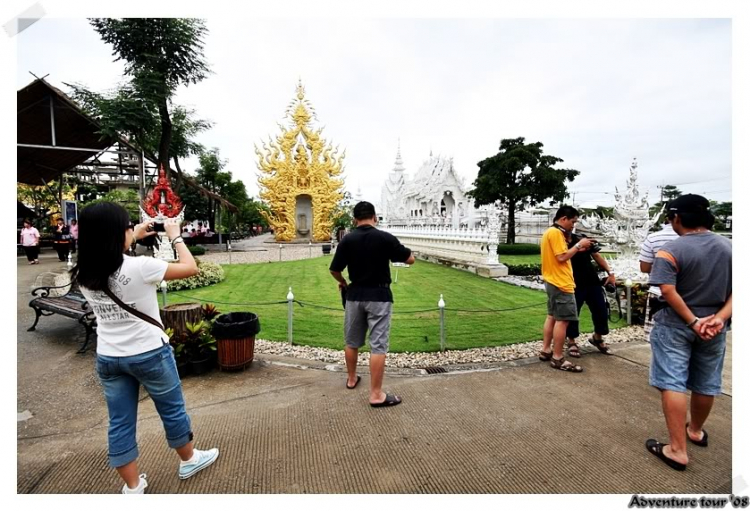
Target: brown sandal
[(565, 365), (544, 356), (573, 350), (603, 348)]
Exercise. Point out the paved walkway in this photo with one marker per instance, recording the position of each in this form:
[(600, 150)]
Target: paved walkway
[(514, 428)]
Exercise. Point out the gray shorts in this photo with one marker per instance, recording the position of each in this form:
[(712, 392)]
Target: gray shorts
[(561, 305), (360, 316)]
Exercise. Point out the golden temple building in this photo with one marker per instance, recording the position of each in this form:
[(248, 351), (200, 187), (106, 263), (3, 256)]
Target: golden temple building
[(299, 177)]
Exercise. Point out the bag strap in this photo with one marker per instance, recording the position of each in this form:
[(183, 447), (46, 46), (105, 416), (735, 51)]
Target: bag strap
[(131, 310)]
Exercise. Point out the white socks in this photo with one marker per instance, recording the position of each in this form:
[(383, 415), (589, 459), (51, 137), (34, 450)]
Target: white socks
[(191, 460)]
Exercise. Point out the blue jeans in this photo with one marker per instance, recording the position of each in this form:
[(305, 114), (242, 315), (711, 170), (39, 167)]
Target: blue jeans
[(682, 361), (121, 378)]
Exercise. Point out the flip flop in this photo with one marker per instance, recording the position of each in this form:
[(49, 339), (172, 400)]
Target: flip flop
[(703, 442), (359, 378), (390, 400), (657, 449)]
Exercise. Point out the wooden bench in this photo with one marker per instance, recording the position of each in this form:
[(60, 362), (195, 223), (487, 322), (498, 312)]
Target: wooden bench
[(72, 305)]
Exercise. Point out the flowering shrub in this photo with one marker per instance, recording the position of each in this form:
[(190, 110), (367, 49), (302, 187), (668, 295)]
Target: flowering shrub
[(208, 273)]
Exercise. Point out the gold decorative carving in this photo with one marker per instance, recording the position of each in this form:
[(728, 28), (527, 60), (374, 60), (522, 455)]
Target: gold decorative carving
[(300, 162)]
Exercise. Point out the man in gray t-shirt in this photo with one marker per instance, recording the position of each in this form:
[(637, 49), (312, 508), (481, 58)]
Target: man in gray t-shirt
[(688, 342)]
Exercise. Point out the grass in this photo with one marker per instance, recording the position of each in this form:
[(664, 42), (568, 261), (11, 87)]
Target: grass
[(521, 259), (319, 321)]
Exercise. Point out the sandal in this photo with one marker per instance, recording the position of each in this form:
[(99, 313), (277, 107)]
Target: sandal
[(359, 378), (657, 449), (390, 400), (703, 442), (600, 345), (573, 350), (544, 356), (565, 365)]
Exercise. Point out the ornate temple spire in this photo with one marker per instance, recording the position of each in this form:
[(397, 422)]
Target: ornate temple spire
[(398, 166)]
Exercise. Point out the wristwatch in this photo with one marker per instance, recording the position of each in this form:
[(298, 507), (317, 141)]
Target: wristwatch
[(577, 246), (692, 323), (177, 240), (610, 272)]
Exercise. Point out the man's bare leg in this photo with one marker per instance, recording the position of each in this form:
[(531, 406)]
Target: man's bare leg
[(700, 407), (549, 325), (674, 405), (351, 355), (558, 337), (377, 368)]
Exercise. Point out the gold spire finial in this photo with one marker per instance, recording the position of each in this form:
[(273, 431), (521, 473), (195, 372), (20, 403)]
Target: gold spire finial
[(300, 90)]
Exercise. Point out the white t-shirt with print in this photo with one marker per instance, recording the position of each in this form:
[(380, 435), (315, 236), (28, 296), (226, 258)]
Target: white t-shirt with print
[(119, 333)]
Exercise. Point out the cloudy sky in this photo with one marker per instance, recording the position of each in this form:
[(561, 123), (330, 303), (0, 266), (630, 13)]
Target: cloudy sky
[(596, 92)]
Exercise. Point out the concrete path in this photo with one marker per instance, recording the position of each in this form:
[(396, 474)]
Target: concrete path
[(514, 428)]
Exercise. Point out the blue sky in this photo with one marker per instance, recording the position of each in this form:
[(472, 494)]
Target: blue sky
[(596, 92)]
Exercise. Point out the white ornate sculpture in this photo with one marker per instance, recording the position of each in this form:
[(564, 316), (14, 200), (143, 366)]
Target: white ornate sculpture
[(628, 229)]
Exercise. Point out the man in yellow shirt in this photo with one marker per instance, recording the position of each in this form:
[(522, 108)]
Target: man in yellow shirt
[(557, 273)]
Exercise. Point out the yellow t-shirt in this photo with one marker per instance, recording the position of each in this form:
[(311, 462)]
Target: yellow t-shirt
[(556, 273)]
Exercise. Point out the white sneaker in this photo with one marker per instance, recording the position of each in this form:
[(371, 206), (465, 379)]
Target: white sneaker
[(201, 459), (142, 485)]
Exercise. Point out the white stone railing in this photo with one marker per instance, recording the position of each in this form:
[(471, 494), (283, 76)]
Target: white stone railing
[(463, 244)]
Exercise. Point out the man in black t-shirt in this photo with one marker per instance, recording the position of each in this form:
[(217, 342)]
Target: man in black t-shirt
[(589, 291), (366, 252)]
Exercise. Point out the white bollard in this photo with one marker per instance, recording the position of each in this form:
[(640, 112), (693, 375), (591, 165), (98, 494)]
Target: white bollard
[(441, 305), (628, 286), (163, 287), (290, 305)]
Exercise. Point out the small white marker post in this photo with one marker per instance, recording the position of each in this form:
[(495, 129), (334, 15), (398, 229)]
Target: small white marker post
[(628, 286), (280, 247), (290, 302), (229, 249), (70, 260), (441, 305), (310, 249), (163, 287)]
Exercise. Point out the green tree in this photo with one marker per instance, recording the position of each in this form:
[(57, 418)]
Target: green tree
[(520, 175), (668, 193), (160, 54), (126, 198), (722, 211), (342, 216)]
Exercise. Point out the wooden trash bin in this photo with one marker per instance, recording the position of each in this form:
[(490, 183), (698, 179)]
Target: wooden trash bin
[(235, 339)]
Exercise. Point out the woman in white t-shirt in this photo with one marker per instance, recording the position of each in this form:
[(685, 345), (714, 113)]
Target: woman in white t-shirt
[(30, 241), (132, 351)]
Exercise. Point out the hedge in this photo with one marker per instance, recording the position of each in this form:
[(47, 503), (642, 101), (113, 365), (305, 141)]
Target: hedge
[(524, 269), (518, 249), (208, 273), (197, 250)]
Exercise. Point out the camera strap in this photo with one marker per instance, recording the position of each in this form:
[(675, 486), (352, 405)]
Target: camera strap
[(131, 310)]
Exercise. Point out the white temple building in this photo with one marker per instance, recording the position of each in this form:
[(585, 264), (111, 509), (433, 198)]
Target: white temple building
[(435, 196)]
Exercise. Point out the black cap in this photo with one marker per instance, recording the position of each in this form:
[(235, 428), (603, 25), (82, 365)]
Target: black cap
[(689, 203)]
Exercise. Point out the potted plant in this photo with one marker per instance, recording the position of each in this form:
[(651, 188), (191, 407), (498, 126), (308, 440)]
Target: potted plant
[(202, 347), (178, 342)]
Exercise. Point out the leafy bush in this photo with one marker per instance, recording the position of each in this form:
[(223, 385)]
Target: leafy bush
[(208, 273), (524, 269), (197, 251), (518, 249)]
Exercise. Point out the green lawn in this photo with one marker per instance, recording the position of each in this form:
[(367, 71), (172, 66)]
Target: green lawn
[(319, 321)]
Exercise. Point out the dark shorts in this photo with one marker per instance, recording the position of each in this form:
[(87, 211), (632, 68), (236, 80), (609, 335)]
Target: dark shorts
[(561, 305)]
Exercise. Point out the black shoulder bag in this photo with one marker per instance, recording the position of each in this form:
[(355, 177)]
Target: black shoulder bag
[(131, 310)]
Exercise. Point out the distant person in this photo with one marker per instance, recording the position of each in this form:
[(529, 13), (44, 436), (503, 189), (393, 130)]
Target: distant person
[(651, 245), (557, 274), (73, 234), (30, 241), (589, 291), (61, 240), (132, 347), (366, 252), (186, 233), (688, 341)]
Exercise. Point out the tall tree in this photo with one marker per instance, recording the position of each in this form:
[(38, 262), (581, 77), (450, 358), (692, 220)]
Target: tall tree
[(160, 54), (520, 175)]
